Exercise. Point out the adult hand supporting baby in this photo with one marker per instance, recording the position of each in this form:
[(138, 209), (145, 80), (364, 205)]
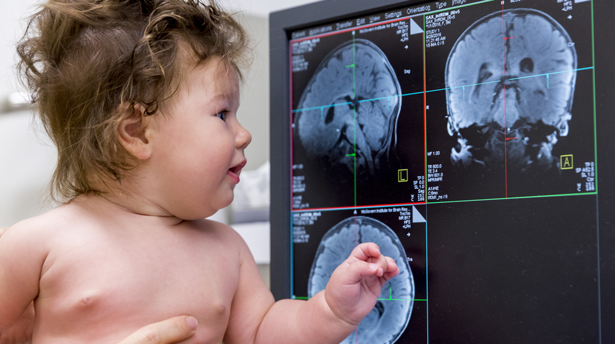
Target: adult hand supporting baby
[(165, 332)]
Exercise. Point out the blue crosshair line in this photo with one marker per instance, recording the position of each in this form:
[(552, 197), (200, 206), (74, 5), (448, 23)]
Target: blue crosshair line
[(436, 90)]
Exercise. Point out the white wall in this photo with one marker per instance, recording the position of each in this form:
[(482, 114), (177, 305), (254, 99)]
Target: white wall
[(27, 160), (12, 28), (262, 8), (253, 111)]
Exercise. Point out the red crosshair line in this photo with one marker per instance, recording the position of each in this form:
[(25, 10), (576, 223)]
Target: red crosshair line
[(505, 128), (506, 138)]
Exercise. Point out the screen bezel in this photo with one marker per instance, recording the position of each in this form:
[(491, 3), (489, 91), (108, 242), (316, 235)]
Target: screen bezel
[(283, 23)]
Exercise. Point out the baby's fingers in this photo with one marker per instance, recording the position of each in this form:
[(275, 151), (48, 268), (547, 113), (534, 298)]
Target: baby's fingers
[(365, 251), (360, 269), (382, 262), (392, 269)]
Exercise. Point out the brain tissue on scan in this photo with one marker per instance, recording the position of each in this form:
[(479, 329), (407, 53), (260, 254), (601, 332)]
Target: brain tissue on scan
[(389, 318), (351, 104), (486, 97)]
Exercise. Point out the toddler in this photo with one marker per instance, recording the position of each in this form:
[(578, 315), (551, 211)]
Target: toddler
[(140, 98)]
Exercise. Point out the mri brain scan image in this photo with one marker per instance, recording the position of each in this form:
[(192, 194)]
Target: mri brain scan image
[(514, 103), (389, 318), (350, 109)]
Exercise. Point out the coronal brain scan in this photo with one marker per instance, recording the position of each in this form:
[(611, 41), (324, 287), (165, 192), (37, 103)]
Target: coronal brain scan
[(495, 98), (386, 322), (337, 123)]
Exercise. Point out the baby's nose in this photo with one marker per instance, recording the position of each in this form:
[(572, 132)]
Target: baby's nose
[(243, 138)]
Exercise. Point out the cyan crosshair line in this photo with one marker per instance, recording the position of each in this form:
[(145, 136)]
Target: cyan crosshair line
[(437, 90), (547, 74)]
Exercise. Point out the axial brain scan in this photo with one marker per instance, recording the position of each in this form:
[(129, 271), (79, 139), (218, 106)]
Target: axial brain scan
[(521, 98), (343, 118), (387, 321)]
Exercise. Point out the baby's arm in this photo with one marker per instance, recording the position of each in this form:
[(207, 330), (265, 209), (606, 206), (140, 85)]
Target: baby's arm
[(328, 317), (22, 254)]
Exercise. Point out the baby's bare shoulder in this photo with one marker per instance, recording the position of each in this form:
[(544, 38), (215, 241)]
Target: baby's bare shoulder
[(223, 232), (45, 231), (26, 245), (41, 226)]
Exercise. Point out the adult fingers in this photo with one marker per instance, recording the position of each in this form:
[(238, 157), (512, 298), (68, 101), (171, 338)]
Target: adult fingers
[(164, 332)]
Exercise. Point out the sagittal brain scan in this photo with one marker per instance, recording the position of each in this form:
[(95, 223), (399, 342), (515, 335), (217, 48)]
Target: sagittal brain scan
[(494, 100), (386, 322), (338, 125)]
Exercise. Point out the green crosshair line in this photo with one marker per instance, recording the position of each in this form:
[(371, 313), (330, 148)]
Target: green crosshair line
[(354, 109)]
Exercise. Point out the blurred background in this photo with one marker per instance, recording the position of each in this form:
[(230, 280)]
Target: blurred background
[(27, 158)]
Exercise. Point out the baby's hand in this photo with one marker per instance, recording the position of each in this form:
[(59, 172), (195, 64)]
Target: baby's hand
[(355, 285)]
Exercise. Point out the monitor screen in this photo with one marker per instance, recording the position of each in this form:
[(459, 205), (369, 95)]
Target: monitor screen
[(462, 137)]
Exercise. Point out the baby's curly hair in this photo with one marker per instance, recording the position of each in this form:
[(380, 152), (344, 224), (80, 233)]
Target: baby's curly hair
[(86, 60)]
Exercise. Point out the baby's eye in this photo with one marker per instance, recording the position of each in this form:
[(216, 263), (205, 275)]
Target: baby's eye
[(222, 115)]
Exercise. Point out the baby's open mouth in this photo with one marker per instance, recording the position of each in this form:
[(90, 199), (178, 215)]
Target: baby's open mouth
[(237, 169)]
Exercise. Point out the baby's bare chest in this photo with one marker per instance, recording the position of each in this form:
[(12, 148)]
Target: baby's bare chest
[(118, 284)]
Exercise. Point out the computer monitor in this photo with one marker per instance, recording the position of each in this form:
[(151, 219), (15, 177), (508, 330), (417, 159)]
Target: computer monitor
[(472, 141)]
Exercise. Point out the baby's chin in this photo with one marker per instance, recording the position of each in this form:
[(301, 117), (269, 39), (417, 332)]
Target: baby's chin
[(191, 213)]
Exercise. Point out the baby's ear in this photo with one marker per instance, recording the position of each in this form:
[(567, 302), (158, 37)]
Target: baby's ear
[(132, 131)]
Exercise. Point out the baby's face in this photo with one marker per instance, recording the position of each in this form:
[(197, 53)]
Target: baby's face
[(200, 144)]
